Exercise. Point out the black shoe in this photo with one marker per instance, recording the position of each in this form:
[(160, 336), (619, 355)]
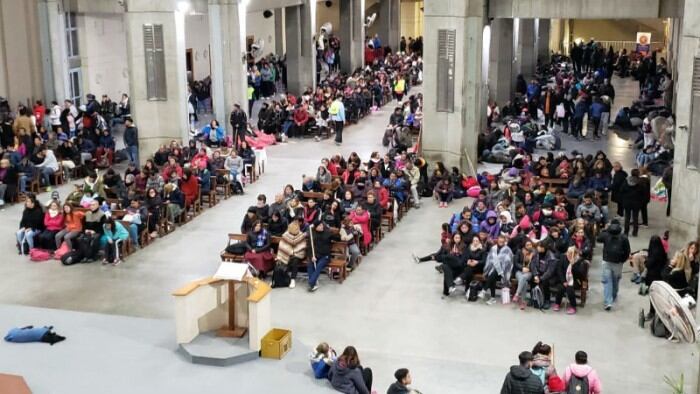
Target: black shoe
[(546, 305)]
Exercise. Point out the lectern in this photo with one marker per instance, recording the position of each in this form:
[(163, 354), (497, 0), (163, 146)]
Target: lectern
[(232, 273)]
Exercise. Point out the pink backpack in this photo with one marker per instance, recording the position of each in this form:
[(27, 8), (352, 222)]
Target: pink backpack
[(36, 254), (61, 251)]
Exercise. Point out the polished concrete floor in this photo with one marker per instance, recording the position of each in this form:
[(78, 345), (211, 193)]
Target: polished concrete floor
[(119, 319)]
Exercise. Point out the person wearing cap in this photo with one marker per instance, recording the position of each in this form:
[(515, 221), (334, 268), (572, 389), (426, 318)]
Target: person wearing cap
[(520, 379)]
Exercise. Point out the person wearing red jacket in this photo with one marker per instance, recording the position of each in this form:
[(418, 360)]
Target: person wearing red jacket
[(170, 168), (189, 186), (361, 217), (383, 195), (301, 119), (39, 113), (53, 223)]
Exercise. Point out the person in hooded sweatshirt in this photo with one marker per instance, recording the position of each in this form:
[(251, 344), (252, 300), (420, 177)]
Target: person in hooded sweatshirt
[(348, 376), (491, 225), (632, 195), (520, 379), (582, 371)]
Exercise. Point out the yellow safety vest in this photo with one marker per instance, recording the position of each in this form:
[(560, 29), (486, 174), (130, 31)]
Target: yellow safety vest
[(400, 86), (251, 90)]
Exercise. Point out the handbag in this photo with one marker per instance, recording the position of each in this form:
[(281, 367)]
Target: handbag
[(62, 250), (505, 295)]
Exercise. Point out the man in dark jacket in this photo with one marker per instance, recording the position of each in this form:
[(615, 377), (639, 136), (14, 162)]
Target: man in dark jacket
[(632, 196), (618, 178), (320, 238), (131, 141), (544, 272), (616, 250), (520, 380), (403, 379), (239, 123)]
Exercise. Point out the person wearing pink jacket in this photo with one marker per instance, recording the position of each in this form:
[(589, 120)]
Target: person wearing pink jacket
[(582, 372)]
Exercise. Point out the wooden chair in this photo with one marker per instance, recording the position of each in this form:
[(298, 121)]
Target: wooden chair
[(230, 257), (388, 220), (223, 187), (35, 184), (57, 177), (211, 195), (337, 267)]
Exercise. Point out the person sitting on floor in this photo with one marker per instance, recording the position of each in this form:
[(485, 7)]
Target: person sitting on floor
[(348, 376)]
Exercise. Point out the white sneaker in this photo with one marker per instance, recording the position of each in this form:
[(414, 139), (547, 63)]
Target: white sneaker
[(292, 284), (415, 258), (458, 281), (451, 289), (481, 294), (312, 289), (491, 301)]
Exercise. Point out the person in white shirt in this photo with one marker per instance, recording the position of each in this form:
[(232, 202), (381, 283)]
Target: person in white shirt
[(55, 116), (47, 167)]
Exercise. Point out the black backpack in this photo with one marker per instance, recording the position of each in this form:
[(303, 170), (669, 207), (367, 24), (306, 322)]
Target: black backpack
[(72, 257), (473, 291), (88, 246), (658, 329), (577, 385), (280, 278)]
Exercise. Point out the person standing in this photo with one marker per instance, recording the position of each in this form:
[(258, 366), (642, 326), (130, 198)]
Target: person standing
[(520, 379), (619, 176), (667, 179), (239, 122), (616, 250), (632, 197), (320, 238), (337, 113), (131, 141)]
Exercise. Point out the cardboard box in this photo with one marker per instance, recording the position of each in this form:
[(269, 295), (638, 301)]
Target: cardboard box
[(276, 343)]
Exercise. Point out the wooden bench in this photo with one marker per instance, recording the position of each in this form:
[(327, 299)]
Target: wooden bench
[(581, 288), (318, 196)]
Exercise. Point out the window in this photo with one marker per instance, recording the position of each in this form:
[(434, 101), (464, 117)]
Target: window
[(156, 88), (71, 35), (694, 131), (75, 77)]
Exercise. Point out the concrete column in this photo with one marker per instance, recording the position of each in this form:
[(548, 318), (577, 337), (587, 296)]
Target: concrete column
[(352, 34), (525, 48), (389, 20), (447, 136), (59, 61), (279, 31), (543, 28), (227, 35), (163, 120), (685, 212), (300, 28), (501, 81)]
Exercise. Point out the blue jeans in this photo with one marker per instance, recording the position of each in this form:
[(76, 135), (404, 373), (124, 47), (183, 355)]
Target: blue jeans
[(26, 235), (315, 271), (133, 152), (134, 233), (23, 183), (612, 272), (46, 173)]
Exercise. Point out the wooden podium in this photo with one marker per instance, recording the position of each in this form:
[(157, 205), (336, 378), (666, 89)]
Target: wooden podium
[(228, 306)]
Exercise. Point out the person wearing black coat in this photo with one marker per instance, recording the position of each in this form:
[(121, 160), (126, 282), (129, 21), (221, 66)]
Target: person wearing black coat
[(31, 224), (616, 250), (571, 268), (239, 123), (474, 256), (320, 238), (618, 179), (544, 273), (632, 195), (645, 183), (657, 260), (520, 379)]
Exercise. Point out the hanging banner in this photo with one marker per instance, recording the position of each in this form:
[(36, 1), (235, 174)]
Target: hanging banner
[(643, 42)]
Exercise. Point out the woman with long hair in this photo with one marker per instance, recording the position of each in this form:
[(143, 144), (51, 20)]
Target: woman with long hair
[(73, 221), (348, 376)]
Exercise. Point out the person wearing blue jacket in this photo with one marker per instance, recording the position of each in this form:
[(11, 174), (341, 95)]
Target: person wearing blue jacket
[(105, 147), (596, 112), (114, 234), (213, 134)]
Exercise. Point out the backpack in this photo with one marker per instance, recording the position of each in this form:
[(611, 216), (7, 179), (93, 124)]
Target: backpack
[(72, 257), (36, 254), (577, 385), (473, 291), (238, 248), (88, 246), (537, 297), (280, 277), (61, 251), (658, 329)]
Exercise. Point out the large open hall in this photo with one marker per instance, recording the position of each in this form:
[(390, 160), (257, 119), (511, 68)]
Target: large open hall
[(349, 196)]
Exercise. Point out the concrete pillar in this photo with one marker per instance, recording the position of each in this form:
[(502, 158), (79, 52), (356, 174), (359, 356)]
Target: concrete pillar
[(159, 121), (543, 29), (451, 137), (300, 29), (227, 35), (525, 48), (500, 82), (279, 31), (59, 61), (389, 21), (352, 34), (685, 212)]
